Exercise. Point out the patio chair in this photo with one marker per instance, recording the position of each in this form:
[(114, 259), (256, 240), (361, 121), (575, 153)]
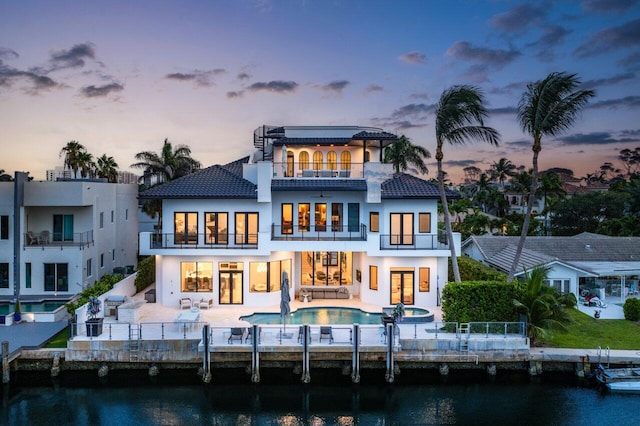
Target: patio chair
[(205, 303), (326, 333), (32, 239), (237, 333), (250, 333), (185, 303), (307, 173), (300, 334)]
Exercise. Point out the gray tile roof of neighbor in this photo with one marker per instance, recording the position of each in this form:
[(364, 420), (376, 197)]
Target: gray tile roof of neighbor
[(403, 185), (213, 182)]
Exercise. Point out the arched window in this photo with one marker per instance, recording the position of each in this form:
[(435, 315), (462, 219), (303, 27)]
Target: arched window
[(303, 159), (345, 160), (317, 160), (332, 159)]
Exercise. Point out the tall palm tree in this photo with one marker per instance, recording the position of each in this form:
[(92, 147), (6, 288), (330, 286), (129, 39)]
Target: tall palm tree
[(547, 107), (86, 164), (170, 164), (403, 153), (107, 168), (71, 152), (502, 170), (460, 115)]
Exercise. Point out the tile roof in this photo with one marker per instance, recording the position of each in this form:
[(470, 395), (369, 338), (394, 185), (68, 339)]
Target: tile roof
[(235, 167), (403, 185), (311, 141), (374, 135), (334, 184), (213, 182)]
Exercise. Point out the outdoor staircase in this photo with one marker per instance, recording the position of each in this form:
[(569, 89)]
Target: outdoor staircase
[(134, 343)]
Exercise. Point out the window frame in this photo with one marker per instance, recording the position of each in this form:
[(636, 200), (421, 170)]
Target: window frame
[(424, 285), (186, 236), (216, 237), (373, 277), (246, 237), (286, 229), (375, 222), (4, 227), (428, 222)]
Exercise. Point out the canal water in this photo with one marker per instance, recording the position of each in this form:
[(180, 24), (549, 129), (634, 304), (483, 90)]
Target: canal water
[(416, 398)]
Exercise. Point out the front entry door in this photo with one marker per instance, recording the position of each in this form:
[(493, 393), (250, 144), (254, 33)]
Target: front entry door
[(402, 287), (231, 288)]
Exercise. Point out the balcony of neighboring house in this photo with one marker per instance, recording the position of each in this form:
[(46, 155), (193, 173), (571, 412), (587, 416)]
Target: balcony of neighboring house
[(311, 170), (46, 238), (329, 232), (414, 241), (221, 241)]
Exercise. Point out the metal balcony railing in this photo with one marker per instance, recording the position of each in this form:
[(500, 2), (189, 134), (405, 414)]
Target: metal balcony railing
[(319, 232), (203, 241), (413, 242), (57, 239), (296, 170)]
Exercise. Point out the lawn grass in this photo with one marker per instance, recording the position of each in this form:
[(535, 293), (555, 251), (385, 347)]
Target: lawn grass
[(59, 340), (587, 332)]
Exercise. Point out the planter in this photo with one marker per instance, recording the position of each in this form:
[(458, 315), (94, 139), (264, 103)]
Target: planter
[(17, 317), (94, 327)]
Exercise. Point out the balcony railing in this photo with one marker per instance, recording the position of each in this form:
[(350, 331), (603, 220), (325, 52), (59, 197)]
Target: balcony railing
[(319, 233), (413, 242), (57, 239), (203, 241), (313, 170)]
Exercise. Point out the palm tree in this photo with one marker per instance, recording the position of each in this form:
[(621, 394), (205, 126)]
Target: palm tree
[(550, 189), (402, 153), (502, 170), (72, 151), (169, 164), (547, 108), (4, 177), (86, 164), (107, 168), (460, 115), (542, 304)]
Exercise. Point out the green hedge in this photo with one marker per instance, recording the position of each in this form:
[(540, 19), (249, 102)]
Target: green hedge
[(632, 309), (146, 273), (472, 270), (105, 284), (471, 301)]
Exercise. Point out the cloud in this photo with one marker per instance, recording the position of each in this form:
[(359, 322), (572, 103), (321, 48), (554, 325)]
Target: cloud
[(413, 111), (235, 95), (72, 58), (626, 102), (419, 95), (413, 58), (608, 6), (634, 132), (519, 144), (200, 78), (38, 82), (503, 110), (405, 124), (497, 58), (590, 84), (6, 53), (101, 91), (609, 39), (517, 19), (552, 36), (593, 138), (336, 86), (630, 60), (461, 163), (373, 88), (243, 76), (518, 86), (274, 86)]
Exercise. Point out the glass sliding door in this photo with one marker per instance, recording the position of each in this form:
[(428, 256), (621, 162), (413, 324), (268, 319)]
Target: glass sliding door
[(62, 227), (402, 287), (230, 287), (401, 228), (354, 217), (321, 217)]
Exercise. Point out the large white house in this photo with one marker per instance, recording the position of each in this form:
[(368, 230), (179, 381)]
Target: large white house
[(316, 202), (63, 235)]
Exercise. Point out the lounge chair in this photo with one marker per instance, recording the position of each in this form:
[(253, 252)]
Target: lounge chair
[(205, 303), (326, 333), (185, 303), (308, 173), (237, 333)]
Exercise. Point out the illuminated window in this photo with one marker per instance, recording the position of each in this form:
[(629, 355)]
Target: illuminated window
[(303, 159), (196, 277), (373, 277), (374, 222), (332, 159), (424, 222), (345, 160), (317, 160), (424, 274)]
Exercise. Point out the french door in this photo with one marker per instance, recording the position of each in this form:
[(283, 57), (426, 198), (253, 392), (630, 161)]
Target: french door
[(230, 287), (402, 287)]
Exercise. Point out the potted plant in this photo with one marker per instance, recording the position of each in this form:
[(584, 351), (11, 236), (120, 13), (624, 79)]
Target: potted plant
[(398, 312), (94, 324), (17, 315)]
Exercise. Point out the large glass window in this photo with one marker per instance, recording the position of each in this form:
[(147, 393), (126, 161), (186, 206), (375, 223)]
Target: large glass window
[(4, 275), (287, 218), (196, 277), (317, 161), (321, 217), (325, 268), (332, 160), (304, 160), (265, 277), (304, 217), (56, 277), (216, 227), (62, 227), (424, 222), (246, 228), (374, 222), (424, 277), (373, 277), (401, 228), (4, 227), (230, 279), (186, 227), (336, 217)]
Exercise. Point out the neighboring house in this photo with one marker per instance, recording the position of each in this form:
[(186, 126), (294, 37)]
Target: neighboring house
[(64, 235), (327, 211), (585, 260)]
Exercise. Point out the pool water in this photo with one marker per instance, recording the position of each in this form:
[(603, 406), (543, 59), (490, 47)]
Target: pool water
[(325, 316), (7, 308)]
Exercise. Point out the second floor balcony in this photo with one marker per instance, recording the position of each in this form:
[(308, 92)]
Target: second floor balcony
[(221, 241), (57, 239), (414, 241), (330, 232)]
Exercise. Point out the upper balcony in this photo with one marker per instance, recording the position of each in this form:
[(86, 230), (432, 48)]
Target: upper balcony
[(310, 170), (414, 241), (331, 232), (60, 240), (223, 241)]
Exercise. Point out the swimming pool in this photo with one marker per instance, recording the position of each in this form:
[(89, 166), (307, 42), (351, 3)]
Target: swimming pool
[(329, 315), (46, 306)]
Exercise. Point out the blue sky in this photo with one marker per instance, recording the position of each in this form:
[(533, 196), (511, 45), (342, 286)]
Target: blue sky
[(121, 76)]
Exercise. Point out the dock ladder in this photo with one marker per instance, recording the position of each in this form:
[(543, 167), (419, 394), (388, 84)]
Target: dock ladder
[(463, 342), (134, 342)]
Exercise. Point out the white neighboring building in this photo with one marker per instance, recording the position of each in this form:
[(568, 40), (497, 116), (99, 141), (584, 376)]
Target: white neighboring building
[(320, 205), (65, 235)]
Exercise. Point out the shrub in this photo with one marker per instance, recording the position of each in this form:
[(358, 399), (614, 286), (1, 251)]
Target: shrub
[(146, 273), (105, 284), (479, 301), (632, 309), (472, 270)]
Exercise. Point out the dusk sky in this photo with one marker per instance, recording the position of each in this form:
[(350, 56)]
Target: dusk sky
[(121, 76)]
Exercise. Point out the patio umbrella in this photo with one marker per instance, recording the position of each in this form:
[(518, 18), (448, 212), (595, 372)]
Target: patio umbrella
[(285, 298)]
